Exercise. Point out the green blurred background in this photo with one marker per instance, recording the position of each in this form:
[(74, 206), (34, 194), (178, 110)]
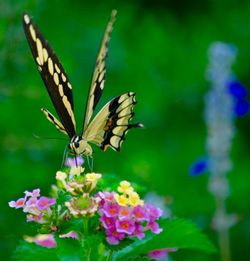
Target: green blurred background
[(159, 50)]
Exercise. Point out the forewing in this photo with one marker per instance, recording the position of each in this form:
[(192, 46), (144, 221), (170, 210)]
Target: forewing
[(53, 75), (51, 118), (98, 79), (111, 124)]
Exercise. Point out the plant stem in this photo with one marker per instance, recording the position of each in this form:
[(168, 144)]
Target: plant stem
[(223, 231), (110, 253), (85, 226)]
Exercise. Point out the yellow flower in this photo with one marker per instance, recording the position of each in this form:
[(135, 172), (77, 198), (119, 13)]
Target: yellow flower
[(134, 199), (125, 187), (61, 176), (92, 178), (121, 199), (76, 170)]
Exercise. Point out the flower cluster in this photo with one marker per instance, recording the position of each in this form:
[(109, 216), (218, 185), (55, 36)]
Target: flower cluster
[(37, 207), (125, 215), (122, 214), (79, 187)]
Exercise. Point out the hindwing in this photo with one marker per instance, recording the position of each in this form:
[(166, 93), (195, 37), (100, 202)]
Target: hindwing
[(111, 124), (53, 75)]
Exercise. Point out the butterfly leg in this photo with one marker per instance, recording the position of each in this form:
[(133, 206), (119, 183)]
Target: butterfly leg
[(90, 161), (65, 155)]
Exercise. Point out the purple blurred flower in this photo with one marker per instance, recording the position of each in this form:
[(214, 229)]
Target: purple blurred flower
[(241, 108), (74, 162), (237, 89), (198, 167)]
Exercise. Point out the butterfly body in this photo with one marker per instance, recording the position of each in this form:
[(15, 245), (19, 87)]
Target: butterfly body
[(110, 125), (79, 146)]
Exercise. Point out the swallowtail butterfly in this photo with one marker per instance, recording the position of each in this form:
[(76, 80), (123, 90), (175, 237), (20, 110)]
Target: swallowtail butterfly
[(110, 125)]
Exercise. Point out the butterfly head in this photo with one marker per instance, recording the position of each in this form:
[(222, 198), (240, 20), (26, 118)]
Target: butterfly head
[(80, 146)]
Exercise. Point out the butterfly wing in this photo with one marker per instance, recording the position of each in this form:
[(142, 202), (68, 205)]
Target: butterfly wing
[(53, 75), (51, 118), (98, 78), (111, 124)]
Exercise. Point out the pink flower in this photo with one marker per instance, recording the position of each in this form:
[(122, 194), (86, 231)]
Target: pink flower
[(112, 232), (112, 240), (34, 194), (30, 206), (111, 210), (105, 197), (140, 213), (154, 212), (121, 221), (17, 204), (44, 202), (124, 212), (45, 240), (154, 227), (126, 226), (37, 209), (107, 222), (35, 218), (139, 231), (71, 234), (160, 254)]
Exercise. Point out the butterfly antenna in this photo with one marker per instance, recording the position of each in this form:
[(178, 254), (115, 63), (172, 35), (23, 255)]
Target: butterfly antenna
[(46, 138)]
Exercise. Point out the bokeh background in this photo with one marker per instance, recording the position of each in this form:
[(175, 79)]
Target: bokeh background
[(159, 50)]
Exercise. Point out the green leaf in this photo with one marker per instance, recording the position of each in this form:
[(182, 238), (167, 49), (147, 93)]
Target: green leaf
[(29, 251), (89, 248), (177, 233), (69, 249)]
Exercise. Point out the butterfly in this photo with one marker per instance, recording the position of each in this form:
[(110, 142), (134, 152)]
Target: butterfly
[(110, 125)]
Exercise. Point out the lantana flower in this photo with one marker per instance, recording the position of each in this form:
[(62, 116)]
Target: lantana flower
[(38, 208), (126, 215)]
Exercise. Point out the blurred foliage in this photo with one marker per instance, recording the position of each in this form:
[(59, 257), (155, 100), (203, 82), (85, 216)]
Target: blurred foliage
[(159, 50)]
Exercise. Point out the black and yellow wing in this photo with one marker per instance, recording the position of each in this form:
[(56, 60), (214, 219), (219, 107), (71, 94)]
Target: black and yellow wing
[(98, 79), (111, 124), (54, 78)]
